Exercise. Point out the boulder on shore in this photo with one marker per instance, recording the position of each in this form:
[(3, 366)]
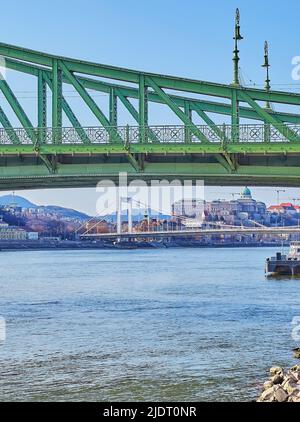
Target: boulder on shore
[(297, 353), (282, 386)]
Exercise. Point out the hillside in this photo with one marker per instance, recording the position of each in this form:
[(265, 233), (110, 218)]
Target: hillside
[(19, 201)]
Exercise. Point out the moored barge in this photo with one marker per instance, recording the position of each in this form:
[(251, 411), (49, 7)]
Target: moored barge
[(285, 264)]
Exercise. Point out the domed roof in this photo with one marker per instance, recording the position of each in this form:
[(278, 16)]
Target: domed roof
[(246, 193)]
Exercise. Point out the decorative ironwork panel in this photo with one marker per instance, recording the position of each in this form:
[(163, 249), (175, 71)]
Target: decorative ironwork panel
[(23, 135), (252, 133), (134, 134), (98, 135), (4, 136)]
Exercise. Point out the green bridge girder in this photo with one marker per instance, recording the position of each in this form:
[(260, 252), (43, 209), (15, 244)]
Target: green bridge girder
[(266, 152)]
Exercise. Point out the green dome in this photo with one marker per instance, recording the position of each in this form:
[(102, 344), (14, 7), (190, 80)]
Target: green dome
[(246, 193)]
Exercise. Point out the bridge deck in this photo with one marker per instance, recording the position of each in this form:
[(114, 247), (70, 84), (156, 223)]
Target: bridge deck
[(266, 152), (197, 232), (59, 158)]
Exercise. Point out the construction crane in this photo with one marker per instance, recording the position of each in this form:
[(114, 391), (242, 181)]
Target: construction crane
[(278, 192), (294, 200)]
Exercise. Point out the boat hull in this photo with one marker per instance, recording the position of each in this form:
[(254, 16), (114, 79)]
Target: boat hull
[(283, 267)]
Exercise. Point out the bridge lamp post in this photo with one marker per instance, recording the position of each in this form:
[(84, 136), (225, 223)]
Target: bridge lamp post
[(266, 65), (237, 37), (236, 80)]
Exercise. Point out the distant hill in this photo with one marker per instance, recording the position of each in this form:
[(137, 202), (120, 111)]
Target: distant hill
[(19, 201), (65, 212), (138, 214)]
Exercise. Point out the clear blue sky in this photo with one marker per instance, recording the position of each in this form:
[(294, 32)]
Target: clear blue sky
[(191, 38)]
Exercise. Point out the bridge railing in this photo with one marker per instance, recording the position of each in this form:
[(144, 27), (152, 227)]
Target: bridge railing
[(244, 133)]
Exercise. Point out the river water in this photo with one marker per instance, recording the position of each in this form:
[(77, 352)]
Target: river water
[(167, 324)]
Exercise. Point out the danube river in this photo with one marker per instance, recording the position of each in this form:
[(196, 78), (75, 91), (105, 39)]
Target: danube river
[(168, 324)]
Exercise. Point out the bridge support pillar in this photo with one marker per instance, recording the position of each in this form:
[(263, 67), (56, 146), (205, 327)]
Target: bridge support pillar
[(56, 101), (143, 108), (119, 216), (129, 215)]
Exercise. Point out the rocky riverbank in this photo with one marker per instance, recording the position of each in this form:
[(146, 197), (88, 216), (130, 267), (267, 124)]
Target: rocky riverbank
[(282, 386)]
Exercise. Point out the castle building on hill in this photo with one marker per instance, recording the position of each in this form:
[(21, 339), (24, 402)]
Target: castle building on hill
[(244, 210)]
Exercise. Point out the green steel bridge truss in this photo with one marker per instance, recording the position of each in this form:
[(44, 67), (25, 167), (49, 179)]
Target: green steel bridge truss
[(265, 152)]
